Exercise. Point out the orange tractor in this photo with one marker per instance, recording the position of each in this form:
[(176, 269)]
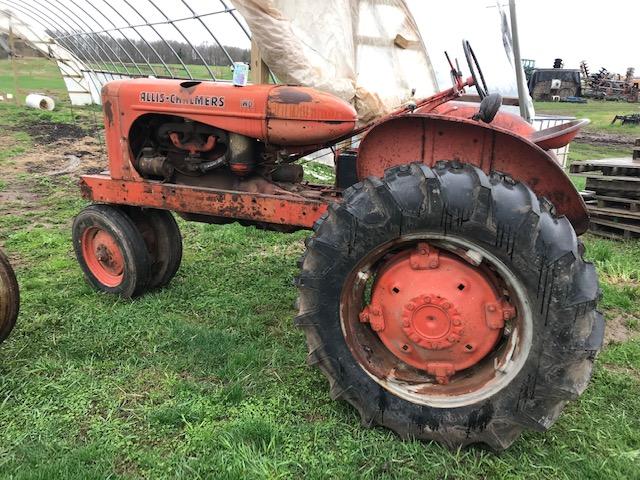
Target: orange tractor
[(443, 291)]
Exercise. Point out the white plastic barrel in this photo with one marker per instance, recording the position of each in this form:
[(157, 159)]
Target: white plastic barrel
[(41, 102)]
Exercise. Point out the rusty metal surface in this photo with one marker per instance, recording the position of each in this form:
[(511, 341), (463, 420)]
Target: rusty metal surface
[(9, 297), (276, 114), (508, 121), (388, 368), (282, 209), (296, 115), (435, 311), (103, 256), (290, 96), (429, 138), (558, 136)]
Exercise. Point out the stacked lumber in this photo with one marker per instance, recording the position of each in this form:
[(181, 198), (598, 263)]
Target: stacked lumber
[(613, 195)]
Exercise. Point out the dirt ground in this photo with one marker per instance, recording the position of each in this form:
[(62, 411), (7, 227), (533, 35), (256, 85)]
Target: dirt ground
[(58, 149), (617, 330), (605, 139)]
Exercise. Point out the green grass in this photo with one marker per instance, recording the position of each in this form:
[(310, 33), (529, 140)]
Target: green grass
[(33, 75), (584, 151), (43, 76), (601, 113), (207, 378), (319, 173)]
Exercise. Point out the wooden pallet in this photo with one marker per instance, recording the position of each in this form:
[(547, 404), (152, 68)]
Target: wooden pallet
[(622, 167), (612, 229), (612, 196), (630, 204), (618, 218)]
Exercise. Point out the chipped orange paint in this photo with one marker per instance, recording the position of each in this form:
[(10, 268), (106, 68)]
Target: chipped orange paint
[(429, 138), (302, 119), (278, 209)]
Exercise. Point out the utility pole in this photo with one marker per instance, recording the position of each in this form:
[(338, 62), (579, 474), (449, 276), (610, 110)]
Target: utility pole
[(522, 93)]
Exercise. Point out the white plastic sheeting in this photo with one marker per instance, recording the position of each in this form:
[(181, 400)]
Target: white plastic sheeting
[(486, 24), (342, 46), (345, 47), (74, 73)]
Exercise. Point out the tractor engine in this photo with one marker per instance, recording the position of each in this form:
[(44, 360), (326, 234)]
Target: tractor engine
[(178, 150), (216, 135)]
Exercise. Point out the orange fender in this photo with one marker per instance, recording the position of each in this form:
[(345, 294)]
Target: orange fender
[(429, 138)]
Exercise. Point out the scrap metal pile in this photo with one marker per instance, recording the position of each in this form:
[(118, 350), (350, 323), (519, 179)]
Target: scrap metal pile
[(605, 85), (624, 119)]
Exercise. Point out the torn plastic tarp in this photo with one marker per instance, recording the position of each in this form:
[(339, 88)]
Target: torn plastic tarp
[(367, 52)]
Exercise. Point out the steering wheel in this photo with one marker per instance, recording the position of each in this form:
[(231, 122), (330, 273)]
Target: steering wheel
[(476, 71)]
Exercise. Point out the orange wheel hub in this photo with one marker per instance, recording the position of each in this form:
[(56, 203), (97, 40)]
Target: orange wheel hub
[(436, 311), (103, 256)]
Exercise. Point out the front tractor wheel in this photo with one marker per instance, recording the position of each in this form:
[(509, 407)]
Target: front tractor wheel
[(449, 305), (161, 234), (111, 251)]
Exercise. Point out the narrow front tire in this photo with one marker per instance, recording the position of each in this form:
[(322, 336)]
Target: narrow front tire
[(111, 251)]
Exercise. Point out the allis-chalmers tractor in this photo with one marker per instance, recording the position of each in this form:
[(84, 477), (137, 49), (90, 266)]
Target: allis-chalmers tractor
[(443, 291)]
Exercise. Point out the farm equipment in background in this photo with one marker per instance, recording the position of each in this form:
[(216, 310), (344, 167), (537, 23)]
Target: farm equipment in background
[(624, 119), (443, 291), (605, 85), (9, 297)]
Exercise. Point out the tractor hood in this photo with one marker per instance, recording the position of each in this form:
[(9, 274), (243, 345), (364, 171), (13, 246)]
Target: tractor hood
[(275, 114)]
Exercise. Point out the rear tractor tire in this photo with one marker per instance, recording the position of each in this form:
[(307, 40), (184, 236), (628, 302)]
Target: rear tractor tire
[(449, 305), (9, 298)]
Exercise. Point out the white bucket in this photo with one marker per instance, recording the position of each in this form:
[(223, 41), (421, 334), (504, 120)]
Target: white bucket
[(41, 102)]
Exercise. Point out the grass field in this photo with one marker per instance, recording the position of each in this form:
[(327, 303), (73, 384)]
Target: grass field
[(207, 378), (43, 76), (600, 113)]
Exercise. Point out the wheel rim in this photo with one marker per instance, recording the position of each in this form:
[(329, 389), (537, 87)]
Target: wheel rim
[(437, 321), (103, 256)]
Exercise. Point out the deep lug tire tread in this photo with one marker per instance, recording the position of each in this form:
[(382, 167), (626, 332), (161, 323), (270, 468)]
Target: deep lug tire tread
[(501, 215)]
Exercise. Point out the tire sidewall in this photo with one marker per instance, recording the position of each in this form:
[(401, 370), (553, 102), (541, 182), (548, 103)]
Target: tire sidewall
[(128, 239), (10, 304), (165, 255), (355, 373)]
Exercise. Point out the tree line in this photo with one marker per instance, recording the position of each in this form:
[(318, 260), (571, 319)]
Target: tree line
[(102, 48)]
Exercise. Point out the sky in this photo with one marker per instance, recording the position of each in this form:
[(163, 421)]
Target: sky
[(602, 33)]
